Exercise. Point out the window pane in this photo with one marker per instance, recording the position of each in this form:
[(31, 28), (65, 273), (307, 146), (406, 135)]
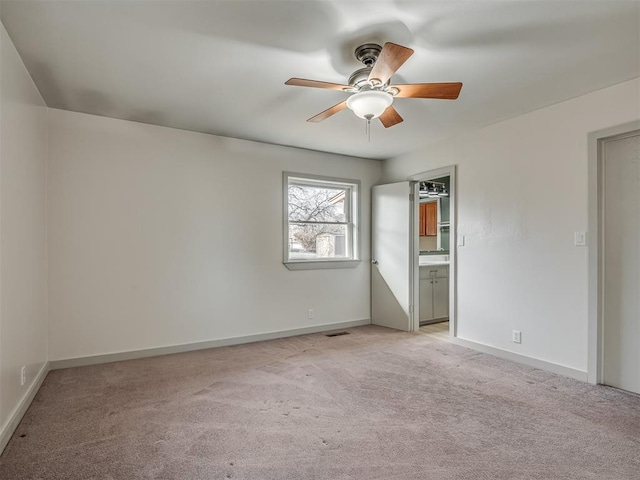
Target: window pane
[(318, 242), (317, 204)]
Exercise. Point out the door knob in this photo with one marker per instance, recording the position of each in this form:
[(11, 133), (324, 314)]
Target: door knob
[(375, 262)]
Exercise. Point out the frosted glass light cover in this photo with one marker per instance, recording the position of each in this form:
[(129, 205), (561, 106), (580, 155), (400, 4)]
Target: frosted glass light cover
[(369, 104)]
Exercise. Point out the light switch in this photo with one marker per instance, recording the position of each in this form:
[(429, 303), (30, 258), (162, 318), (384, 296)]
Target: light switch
[(461, 240), (580, 239)]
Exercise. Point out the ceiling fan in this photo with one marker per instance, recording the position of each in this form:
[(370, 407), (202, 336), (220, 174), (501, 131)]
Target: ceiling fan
[(372, 94)]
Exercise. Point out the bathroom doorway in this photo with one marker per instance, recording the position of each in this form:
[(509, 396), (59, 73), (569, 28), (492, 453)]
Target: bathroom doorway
[(435, 255)]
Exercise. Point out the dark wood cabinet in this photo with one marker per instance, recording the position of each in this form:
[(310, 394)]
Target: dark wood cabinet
[(429, 219)]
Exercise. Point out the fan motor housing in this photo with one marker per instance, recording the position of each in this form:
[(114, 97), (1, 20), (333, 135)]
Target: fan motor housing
[(368, 53), (359, 77)]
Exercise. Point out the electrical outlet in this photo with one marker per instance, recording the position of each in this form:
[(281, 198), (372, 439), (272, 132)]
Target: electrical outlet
[(310, 314), (23, 375), (516, 337)]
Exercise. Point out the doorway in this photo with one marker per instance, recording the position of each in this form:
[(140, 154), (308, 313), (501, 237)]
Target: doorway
[(395, 255), (614, 257), (621, 275), (434, 255)]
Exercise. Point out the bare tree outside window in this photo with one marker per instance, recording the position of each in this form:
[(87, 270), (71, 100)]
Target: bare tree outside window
[(320, 219), (317, 205)]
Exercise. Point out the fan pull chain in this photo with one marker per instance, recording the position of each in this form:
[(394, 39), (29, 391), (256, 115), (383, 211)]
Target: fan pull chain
[(367, 127)]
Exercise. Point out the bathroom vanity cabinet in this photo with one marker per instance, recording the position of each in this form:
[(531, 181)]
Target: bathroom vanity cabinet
[(434, 293)]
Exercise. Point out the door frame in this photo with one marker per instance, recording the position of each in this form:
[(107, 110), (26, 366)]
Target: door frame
[(595, 244), (453, 244)]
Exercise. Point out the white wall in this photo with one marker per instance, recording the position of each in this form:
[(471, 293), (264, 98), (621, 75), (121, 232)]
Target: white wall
[(163, 237), (23, 152), (522, 187)]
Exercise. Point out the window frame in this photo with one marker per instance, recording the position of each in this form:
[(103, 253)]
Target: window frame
[(352, 217)]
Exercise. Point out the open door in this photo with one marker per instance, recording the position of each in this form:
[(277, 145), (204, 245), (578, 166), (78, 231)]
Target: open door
[(392, 269)]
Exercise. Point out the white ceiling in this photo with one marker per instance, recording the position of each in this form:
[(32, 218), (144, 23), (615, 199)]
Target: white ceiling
[(220, 66)]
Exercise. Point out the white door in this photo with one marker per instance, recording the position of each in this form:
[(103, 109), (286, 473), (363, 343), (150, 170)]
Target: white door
[(621, 314), (391, 227)]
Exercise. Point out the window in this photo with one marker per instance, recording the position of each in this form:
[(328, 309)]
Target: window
[(320, 222)]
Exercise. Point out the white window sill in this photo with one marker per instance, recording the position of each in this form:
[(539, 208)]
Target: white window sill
[(317, 265)]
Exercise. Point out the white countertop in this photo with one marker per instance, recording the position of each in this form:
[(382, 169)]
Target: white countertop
[(433, 260), (429, 263)]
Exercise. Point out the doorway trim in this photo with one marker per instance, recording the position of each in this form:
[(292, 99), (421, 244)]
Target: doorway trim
[(453, 244), (595, 244)]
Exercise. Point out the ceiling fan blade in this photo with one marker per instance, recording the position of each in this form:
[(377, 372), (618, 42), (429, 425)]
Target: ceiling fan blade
[(303, 82), (390, 59), (445, 91), (328, 112), (390, 117)]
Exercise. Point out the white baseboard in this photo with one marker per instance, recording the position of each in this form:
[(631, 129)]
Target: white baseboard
[(518, 358), (23, 406), (189, 347)]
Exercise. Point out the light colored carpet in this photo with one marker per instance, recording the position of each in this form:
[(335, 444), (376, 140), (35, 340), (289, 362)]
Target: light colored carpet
[(375, 404)]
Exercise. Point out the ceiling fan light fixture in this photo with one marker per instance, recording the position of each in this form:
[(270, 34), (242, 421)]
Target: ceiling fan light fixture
[(369, 104), (371, 88)]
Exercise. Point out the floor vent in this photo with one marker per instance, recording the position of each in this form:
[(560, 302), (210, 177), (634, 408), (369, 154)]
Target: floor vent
[(336, 334)]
